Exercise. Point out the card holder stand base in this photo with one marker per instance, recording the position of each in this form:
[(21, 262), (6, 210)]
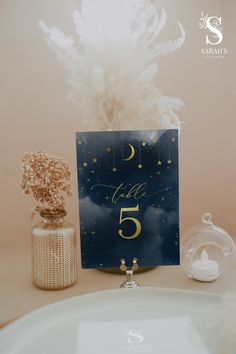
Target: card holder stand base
[(129, 283)]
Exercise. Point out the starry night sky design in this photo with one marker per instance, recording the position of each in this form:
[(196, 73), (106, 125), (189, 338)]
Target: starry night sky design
[(106, 160)]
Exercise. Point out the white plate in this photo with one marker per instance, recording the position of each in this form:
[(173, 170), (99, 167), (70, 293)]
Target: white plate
[(54, 328)]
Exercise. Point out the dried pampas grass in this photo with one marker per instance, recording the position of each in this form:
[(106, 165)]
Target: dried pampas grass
[(112, 64)]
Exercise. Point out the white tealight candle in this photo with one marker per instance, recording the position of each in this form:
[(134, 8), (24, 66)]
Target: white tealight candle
[(205, 269)]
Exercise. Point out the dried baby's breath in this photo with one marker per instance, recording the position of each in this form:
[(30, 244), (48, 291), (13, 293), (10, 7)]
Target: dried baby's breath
[(47, 178)]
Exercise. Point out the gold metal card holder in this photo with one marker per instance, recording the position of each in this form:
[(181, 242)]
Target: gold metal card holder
[(129, 282)]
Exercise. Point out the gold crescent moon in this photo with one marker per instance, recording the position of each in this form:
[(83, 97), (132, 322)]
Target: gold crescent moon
[(132, 153)]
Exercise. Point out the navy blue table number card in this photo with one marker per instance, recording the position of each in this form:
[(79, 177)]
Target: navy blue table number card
[(128, 197)]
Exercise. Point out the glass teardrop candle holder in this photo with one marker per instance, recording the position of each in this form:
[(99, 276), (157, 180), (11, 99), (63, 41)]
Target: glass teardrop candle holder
[(207, 250)]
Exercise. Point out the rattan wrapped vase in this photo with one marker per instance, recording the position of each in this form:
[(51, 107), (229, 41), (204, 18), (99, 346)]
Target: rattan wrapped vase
[(54, 253)]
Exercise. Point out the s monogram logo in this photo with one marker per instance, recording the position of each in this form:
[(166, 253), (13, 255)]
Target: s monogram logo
[(134, 336), (213, 25)]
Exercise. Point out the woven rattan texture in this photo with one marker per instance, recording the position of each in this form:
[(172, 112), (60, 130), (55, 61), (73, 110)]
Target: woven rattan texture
[(54, 263)]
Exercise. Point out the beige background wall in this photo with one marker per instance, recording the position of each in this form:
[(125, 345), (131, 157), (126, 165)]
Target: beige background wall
[(35, 113)]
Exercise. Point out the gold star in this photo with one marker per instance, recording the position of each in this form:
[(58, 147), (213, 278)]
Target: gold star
[(93, 232), (108, 149), (159, 163), (85, 164), (95, 160), (144, 144), (169, 162), (114, 169), (173, 139), (79, 142), (140, 166)]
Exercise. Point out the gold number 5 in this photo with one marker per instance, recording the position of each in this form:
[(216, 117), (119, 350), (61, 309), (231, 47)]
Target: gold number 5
[(134, 220)]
